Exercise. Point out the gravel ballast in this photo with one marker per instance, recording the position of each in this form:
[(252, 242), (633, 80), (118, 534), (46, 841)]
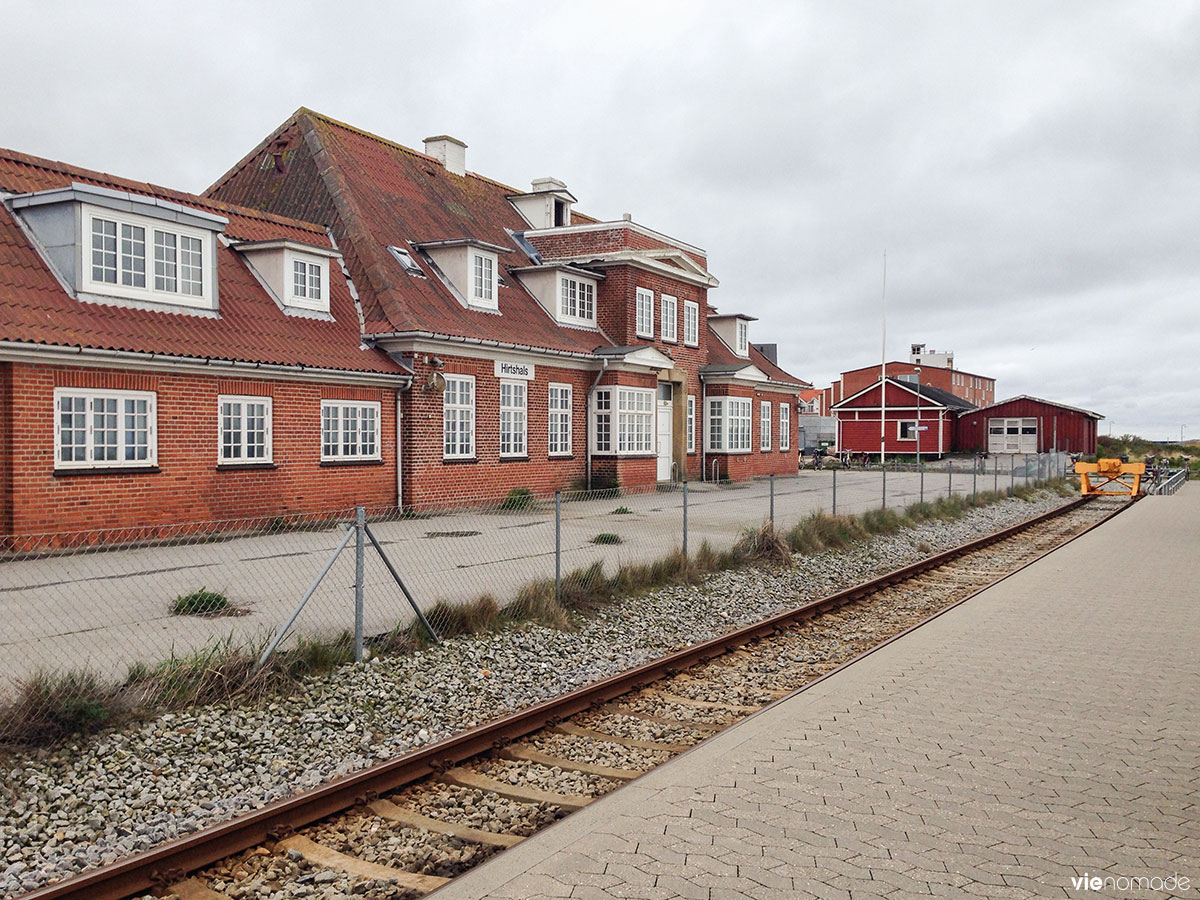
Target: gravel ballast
[(92, 801)]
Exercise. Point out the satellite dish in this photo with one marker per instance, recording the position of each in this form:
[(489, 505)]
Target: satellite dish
[(437, 382)]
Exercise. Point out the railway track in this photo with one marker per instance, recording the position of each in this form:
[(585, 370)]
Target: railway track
[(403, 828)]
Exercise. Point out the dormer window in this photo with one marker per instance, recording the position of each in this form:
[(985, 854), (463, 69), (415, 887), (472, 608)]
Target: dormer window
[(484, 279), (119, 262), (734, 331), (295, 274), (577, 300), (743, 347), (547, 205)]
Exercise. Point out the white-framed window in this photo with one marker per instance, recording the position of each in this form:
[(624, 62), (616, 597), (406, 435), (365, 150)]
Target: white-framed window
[(602, 425), (669, 313), (785, 426), (145, 259), (644, 312), (559, 424), (691, 323), (635, 420), (743, 346), (483, 279), (576, 300), (458, 417), (306, 280), (906, 431), (729, 424), (513, 408), (349, 431), (764, 426), (691, 423), (104, 429), (244, 424), (624, 420)]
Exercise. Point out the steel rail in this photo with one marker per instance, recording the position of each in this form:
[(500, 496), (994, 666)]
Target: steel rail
[(172, 861)]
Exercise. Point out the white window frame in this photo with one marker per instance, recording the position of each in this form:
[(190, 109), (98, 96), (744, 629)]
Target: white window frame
[(764, 425), (669, 313), (729, 425), (316, 283), (343, 407), (691, 323), (785, 426), (900, 423), (691, 423), (574, 294), (602, 409), (482, 269), (242, 431), (460, 413), (559, 419), (147, 292), (512, 415), (742, 337), (644, 313), (90, 396), (635, 426)]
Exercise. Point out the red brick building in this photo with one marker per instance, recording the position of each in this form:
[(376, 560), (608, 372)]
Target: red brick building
[(371, 325), (163, 360), (548, 349), (977, 390)]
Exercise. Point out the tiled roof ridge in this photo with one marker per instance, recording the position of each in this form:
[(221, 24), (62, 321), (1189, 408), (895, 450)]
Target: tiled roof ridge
[(117, 182)]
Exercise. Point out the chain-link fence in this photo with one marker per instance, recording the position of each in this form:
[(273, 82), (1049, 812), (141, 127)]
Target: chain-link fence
[(158, 617)]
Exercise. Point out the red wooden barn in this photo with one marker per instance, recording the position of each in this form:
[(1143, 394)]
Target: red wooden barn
[(1027, 424), (917, 419)]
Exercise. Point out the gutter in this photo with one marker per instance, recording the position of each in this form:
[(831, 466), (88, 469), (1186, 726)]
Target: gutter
[(477, 342)]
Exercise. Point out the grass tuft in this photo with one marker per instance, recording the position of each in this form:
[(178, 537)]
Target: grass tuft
[(607, 537), (518, 498), (201, 603)]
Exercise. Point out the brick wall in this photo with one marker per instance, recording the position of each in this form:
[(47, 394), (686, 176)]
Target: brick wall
[(188, 486), (756, 463)]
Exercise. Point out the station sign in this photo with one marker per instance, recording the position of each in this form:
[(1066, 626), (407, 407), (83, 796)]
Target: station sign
[(508, 369)]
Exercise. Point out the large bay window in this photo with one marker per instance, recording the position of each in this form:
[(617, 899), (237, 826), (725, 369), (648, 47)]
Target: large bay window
[(349, 431), (513, 404), (633, 409), (102, 428), (560, 420), (644, 312), (458, 417), (245, 430), (729, 421)]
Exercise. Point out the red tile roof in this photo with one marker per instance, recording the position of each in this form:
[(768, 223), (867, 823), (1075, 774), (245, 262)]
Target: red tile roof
[(719, 354), (251, 327), (387, 194)]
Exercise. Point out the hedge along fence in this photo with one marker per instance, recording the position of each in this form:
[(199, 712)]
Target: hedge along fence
[(48, 707)]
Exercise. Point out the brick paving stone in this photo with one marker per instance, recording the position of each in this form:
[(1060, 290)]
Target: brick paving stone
[(1040, 729)]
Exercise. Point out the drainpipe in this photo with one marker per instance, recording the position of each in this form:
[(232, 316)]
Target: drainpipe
[(399, 455), (588, 417), (701, 427)]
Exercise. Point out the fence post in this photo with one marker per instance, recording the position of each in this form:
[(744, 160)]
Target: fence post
[(1012, 472), (772, 501), (949, 477), (558, 545), (884, 470), (1026, 470), (922, 496), (685, 549), (835, 492), (360, 528), (974, 480), (995, 474)]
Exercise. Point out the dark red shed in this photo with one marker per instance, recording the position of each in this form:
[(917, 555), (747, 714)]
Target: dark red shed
[(1027, 425)]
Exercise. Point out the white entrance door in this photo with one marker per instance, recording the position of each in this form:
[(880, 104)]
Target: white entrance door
[(666, 419)]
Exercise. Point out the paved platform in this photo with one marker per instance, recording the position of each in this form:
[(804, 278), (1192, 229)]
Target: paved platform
[(1047, 728)]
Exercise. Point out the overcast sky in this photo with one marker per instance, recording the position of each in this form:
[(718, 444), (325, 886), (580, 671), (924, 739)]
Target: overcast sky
[(1032, 170)]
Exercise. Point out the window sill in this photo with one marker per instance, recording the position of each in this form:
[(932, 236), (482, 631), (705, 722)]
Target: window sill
[(561, 456), (241, 467), (339, 463), (668, 340), (108, 470), (508, 459), (646, 337), (689, 344), (459, 460)]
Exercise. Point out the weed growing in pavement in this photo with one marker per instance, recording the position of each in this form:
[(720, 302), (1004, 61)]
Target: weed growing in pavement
[(518, 498), (622, 511), (202, 603), (607, 537)]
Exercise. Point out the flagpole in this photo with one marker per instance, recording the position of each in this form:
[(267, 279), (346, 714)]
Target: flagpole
[(883, 374)]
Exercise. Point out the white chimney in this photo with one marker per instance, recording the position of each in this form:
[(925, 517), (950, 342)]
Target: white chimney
[(449, 151), (547, 184)]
